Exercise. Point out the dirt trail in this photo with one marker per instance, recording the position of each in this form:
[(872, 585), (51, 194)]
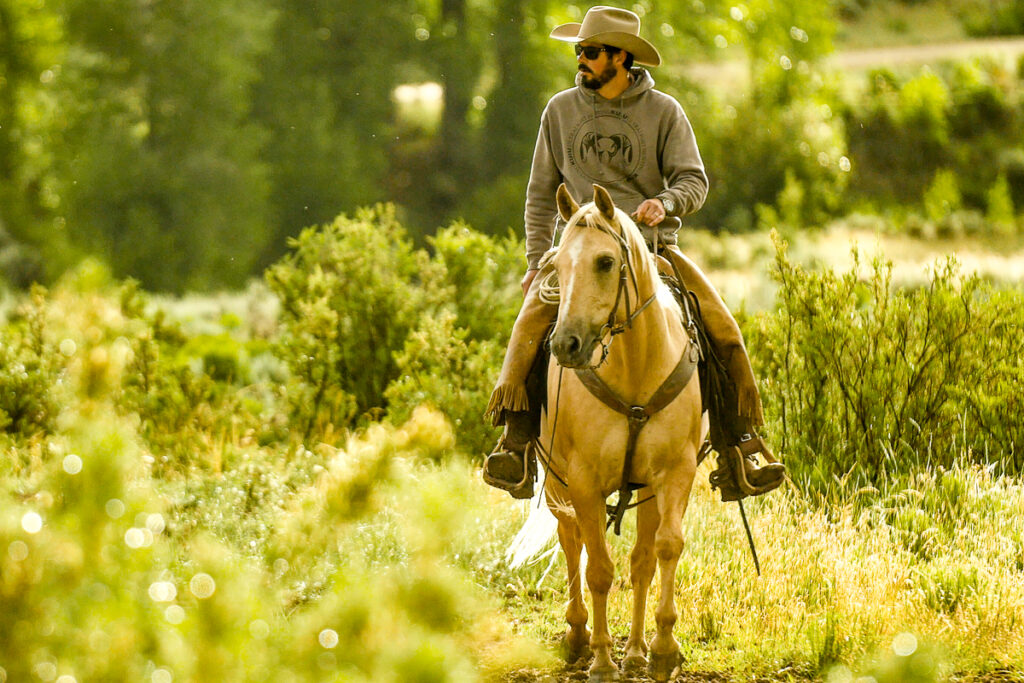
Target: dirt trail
[(1006, 48), (735, 72)]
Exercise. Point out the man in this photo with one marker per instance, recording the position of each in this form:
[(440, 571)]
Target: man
[(616, 130)]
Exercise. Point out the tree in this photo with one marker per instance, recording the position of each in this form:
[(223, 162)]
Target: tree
[(162, 173), (29, 44), (325, 97)]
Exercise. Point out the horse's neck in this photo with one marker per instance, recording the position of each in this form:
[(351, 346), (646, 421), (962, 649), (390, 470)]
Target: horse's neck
[(646, 353)]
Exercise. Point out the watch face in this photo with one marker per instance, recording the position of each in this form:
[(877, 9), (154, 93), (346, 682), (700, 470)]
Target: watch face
[(669, 205)]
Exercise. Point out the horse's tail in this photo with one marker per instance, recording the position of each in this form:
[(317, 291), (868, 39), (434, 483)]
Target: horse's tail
[(535, 537)]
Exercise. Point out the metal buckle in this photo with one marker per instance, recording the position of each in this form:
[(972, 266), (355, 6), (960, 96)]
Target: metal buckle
[(637, 413)]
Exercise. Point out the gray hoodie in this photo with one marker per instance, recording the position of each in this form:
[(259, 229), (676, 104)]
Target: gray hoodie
[(638, 146)]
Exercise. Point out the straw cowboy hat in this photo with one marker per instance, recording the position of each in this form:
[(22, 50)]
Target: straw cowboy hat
[(610, 26)]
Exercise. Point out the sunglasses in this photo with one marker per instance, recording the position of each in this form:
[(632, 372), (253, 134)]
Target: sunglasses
[(593, 51)]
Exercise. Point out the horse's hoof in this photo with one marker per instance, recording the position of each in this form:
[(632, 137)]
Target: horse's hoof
[(662, 666), (604, 675), (573, 650), (633, 663)]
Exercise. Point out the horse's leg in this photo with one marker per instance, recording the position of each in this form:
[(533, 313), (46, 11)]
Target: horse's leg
[(578, 637), (642, 563), (672, 498), (590, 515)]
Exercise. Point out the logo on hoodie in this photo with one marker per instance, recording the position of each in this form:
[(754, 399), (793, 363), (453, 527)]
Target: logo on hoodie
[(606, 148)]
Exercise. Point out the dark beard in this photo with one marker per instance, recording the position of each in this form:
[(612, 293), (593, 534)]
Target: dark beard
[(596, 82)]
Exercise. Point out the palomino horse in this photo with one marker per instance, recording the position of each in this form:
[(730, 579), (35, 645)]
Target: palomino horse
[(602, 266)]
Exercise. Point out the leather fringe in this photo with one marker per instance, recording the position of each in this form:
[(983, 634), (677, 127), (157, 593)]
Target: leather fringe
[(511, 397), (750, 406)]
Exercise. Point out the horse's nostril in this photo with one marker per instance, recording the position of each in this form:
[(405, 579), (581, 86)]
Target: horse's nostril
[(574, 344)]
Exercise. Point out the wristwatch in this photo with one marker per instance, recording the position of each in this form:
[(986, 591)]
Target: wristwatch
[(670, 206)]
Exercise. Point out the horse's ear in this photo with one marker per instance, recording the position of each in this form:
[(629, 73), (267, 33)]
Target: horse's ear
[(567, 206), (603, 202)]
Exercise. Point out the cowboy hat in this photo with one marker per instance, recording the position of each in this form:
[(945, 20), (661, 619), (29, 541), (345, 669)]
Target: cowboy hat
[(610, 26)]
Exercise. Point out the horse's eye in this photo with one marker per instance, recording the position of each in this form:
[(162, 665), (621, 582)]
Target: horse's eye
[(605, 264)]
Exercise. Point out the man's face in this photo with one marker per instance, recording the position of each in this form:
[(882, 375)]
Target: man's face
[(596, 72)]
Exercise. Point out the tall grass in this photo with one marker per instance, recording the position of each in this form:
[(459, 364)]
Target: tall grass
[(926, 578)]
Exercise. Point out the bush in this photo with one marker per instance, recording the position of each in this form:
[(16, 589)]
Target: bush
[(29, 368), (993, 17), (956, 119), (942, 197), (793, 156), (105, 581), (899, 136), (863, 380), (484, 273), (350, 293), (440, 368)]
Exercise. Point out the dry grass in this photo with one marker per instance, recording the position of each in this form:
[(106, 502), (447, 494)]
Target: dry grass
[(843, 585)]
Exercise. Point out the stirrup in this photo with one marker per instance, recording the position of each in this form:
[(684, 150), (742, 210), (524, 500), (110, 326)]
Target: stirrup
[(731, 476), (523, 489), (771, 475)]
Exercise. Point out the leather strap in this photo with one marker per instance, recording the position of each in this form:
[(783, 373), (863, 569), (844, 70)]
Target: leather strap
[(638, 415)]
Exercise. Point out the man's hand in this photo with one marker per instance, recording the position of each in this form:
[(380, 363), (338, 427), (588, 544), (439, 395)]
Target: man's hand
[(528, 280), (650, 212)]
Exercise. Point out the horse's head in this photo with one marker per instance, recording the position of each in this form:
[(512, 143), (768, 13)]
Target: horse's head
[(592, 265)]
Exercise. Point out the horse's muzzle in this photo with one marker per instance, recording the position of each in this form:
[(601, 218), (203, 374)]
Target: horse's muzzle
[(573, 346)]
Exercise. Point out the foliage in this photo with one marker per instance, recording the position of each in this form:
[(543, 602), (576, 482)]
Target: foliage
[(30, 366), (237, 553), (438, 367), (993, 17), (864, 380), (157, 163), (350, 293), (957, 119), (942, 197), (369, 323), (792, 156), (103, 580), (484, 273), (327, 110)]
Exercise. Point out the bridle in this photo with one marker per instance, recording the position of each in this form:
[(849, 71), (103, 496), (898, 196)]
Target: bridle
[(612, 328)]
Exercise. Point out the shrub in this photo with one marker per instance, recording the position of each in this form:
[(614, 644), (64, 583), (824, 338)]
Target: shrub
[(484, 273), (899, 136), (792, 156), (993, 17), (942, 197), (29, 368), (958, 117), (440, 368), (350, 293), (999, 206), (864, 380)]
